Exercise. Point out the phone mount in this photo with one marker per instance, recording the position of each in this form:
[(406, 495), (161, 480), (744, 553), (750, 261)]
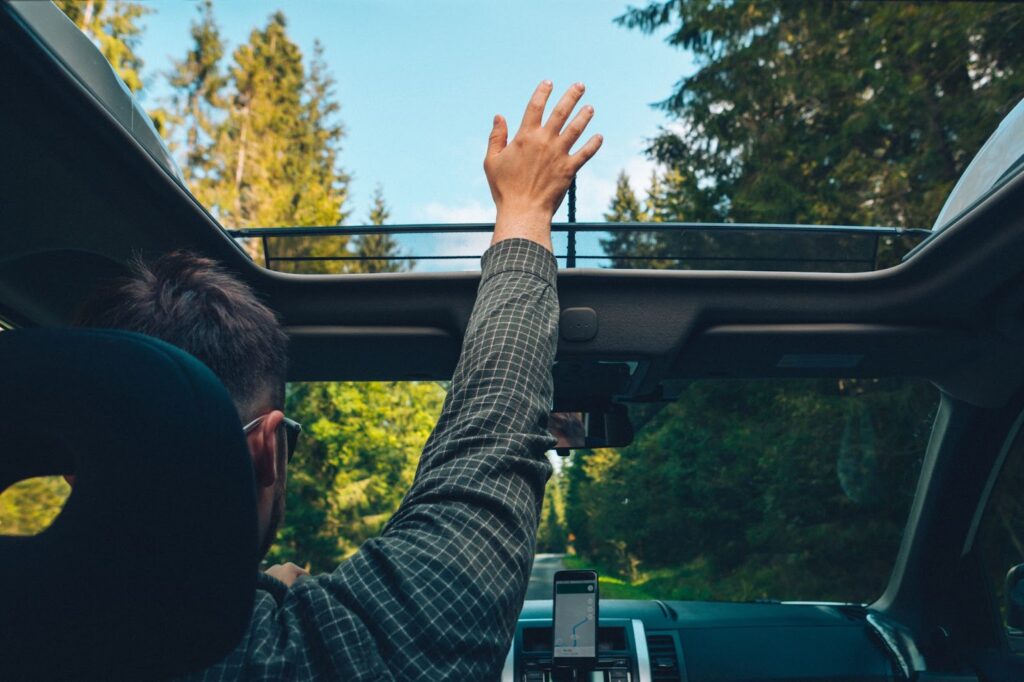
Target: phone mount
[(579, 673), (587, 674)]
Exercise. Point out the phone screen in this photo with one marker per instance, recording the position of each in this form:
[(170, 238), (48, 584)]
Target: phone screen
[(575, 617)]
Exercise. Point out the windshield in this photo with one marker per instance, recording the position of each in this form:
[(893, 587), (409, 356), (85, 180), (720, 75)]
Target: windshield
[(343, 115), (793, 489)]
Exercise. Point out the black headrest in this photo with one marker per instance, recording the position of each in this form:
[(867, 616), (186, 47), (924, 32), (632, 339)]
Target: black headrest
[(149, 571)]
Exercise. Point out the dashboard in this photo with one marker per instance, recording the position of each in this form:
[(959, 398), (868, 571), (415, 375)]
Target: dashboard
[(664, 641)]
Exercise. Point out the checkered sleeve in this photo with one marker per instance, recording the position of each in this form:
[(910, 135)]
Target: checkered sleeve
[(436, 596)]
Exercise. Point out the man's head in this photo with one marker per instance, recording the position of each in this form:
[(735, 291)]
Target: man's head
[(193, 303)]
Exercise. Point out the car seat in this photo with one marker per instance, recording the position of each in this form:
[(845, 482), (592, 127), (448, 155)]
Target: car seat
[(149, 570)]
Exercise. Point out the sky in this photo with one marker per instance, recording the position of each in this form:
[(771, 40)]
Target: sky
[(419, 83)]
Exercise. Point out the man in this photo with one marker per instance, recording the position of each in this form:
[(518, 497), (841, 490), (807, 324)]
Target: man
[(437, 595)]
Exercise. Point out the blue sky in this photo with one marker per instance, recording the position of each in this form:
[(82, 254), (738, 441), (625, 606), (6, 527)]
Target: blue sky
[(419, 83)]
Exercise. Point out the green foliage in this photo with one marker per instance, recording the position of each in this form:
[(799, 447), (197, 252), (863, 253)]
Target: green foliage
[(858, 113), (198, 83), (637, 248), (357, 458), (612, 587), (855, 112), (757, 489), (552, 535), (272, 160), (29, 506)]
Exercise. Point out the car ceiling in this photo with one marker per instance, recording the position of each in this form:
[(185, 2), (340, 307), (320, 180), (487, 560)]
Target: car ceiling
[(81, 198)]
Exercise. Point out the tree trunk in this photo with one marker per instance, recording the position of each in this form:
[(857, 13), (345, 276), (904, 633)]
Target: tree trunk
[(90, 7), (240, 164)]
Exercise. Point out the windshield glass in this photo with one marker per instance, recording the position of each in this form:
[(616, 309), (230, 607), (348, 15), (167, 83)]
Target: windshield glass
[(346, 114), (792, 489)]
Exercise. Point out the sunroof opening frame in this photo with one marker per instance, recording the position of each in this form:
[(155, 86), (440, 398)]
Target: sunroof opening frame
[(699, 246)]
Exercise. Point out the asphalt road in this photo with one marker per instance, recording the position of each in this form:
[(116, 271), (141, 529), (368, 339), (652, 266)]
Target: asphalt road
[(543, 575)]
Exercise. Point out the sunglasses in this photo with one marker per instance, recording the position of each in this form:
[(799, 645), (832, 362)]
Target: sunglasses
[(292, 429)]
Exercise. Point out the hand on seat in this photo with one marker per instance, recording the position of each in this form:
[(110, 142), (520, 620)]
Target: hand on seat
[(287, 573)]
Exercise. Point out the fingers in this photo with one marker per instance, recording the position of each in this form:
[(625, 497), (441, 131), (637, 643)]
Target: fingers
[(287, 573), (499, 136), (535, 109), (576, 126), (587, 151), (560, 114)]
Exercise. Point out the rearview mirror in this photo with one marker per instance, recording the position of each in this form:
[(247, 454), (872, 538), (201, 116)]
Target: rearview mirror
[(610, 428)]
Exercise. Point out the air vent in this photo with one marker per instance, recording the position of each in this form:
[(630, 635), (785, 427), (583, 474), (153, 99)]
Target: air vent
[(664, 660)]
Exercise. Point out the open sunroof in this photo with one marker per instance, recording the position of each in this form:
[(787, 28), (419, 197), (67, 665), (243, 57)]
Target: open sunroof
[(671, 246)]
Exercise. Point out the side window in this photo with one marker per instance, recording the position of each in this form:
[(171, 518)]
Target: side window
[(30, 506), (1001, 538)]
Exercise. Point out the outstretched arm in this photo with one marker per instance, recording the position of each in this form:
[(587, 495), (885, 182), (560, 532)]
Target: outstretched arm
[(460, 547), (437, 595)]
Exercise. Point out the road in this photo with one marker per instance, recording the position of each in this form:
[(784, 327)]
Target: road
[(544, 568)]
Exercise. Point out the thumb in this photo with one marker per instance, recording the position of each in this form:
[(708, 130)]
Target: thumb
[(499, 136)]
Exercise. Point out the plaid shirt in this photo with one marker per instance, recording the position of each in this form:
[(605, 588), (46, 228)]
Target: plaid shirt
[(437, 595)]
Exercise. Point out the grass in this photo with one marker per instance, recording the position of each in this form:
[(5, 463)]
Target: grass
[(611, 587), (694, 581)]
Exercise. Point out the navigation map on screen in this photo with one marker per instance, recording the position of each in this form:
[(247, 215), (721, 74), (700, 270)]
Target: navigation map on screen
[(575, 619)]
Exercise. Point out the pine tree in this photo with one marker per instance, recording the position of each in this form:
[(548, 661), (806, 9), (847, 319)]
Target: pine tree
[(114, 28), (198, 84), (251, 185), (377, 245), (262, 137), (837, 113), (316, 165), (625, 207), (637, 248)]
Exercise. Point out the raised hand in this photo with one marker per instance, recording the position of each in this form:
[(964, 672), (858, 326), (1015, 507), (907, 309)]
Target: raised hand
[(530, 175)]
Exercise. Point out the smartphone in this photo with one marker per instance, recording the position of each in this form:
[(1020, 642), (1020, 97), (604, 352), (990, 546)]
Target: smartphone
[(575, 619)]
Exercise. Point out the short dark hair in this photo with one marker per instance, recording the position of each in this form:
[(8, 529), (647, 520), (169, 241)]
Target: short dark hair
[(193, 303)]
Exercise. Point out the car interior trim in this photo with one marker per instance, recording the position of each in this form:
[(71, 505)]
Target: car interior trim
[(643, 658), (948, 419), (993, 477), (508, 672)]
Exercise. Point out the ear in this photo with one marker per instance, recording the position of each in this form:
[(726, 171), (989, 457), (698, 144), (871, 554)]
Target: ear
[(263, 446)]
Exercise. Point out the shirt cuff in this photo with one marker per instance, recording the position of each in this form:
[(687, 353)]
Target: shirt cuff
[(519, 255)]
